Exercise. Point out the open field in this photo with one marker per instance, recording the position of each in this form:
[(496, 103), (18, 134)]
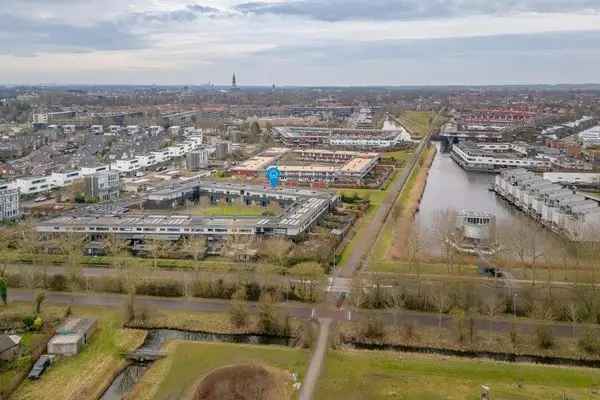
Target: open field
[(188, 362), (369, 375), (399, 155), (417, 122), (86, 375)]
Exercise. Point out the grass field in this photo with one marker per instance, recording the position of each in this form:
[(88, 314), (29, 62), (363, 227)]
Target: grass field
[(417, 122), (188, 362), (375, 197), (400, 219), (227, 210), (400, 155), (366, 375), (86, 375)]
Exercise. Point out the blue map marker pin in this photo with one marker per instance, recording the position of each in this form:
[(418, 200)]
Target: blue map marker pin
[(273, 174)]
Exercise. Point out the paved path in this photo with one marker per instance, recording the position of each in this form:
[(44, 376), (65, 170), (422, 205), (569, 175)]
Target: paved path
[(297, 310), (316, 362)]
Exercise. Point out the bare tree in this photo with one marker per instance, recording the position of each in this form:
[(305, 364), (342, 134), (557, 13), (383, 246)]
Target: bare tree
[(71, 247), (276, 250), (414, 248), (444, 225), (442, 301), (526, 243), (239, 308), (194, 247), (158, 249), (491, 306)]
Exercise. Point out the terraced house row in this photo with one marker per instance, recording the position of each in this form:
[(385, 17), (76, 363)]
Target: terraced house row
[(564, 211)]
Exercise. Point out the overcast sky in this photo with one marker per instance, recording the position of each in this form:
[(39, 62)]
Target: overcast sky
[(300, 42)]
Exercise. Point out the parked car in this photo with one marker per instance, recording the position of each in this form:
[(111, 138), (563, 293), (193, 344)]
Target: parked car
[(39, 367)]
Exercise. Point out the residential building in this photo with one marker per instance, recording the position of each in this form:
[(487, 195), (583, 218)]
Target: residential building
[(103, 186), (34, 185), (9, 202), (563, 211), (62, 179), (197, 159), (493, 157)]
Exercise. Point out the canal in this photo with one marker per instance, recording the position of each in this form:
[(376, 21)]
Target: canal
[(449, 187)]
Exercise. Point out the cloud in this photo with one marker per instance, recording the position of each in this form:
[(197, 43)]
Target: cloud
[(22, 36), (498, 59), (431, 49), (343, 10), (189, 13), (27, 35)]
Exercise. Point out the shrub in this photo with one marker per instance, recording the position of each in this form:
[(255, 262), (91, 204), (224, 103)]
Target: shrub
[(238, 314), (38, 322), (239, 309), (590, 342), (58, 283), (16, 280), (268, 321), (544, 337), (162, 288), (109, 284), (373, 328), (40, 297), (28, 322), (213, 289), (408, 332), (514, 336), (308, 335), (253, 291)]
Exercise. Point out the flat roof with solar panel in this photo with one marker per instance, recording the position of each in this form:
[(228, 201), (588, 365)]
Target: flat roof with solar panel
[(306, 206)]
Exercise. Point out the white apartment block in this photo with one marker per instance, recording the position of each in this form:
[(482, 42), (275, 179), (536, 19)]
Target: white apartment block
[(34, 185), (497, 155), (9, 202), (85, 171)]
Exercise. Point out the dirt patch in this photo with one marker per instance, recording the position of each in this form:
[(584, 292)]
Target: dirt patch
[(243, 382)]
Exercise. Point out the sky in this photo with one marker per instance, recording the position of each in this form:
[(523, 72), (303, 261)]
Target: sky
[(300, 42)]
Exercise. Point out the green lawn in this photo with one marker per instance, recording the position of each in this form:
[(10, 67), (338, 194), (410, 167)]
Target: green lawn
[(85, 375), (399, 155), (228, 210), (417, 122), (188, 362), (369, 375)]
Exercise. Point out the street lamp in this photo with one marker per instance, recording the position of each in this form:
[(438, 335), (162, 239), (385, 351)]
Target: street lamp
[(515, 295)]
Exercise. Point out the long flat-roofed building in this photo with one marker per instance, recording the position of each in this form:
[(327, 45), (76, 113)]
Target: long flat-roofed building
[(325, 166), (339, 137), (302, 208)]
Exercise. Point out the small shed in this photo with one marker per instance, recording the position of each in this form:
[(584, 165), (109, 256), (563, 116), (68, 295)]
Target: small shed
[(71, 336), (9, 347)]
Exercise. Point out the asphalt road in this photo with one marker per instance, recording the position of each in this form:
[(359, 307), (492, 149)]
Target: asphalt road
[(295, 309)]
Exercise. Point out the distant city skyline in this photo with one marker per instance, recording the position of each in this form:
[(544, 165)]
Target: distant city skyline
[(300, 42)]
